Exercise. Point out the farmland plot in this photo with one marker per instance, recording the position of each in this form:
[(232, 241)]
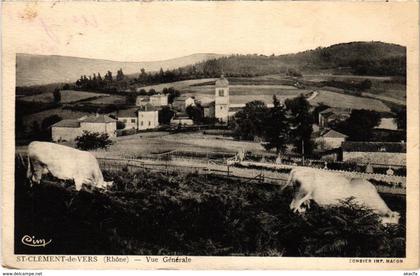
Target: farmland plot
[(67, 96), (241, 94)]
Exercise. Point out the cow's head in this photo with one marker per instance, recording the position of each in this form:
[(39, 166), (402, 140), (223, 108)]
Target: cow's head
[(105, 184), (391, 218)]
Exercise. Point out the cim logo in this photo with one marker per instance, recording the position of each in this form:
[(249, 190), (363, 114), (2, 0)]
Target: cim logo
[(33, 242)]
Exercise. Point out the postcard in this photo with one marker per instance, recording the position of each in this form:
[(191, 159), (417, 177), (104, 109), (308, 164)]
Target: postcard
[(210, 135)]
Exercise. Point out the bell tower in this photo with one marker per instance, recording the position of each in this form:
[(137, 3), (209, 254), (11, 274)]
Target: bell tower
[(222, 99)]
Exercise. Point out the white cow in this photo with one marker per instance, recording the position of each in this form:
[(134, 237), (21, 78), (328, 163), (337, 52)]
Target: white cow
[(327, 188), (65, 163)]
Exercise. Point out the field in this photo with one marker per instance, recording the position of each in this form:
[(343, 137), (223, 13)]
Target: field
[(152, 213), (154, 143), (67, 96), (348, 101), (40, 116)]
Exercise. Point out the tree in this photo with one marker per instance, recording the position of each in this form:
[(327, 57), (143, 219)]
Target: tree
[(165, 115), (131, 98), (152, 92), (57, 95), (401, 119), (195, 113), (93, 140), (120, 75), (49, 121), (360, 124), (300, 123), (276, 128), (248, 123), (172, 94)]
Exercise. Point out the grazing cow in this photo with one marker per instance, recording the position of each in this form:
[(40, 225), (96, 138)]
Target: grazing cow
[(65, 163), (327, 188)]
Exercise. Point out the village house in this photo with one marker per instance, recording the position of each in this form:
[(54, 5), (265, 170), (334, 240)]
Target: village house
[(332, 114), (142, 100), (69, 129), (182, 102), (159, 100), (387, 122), (148, 117), (330, 139), (181, 119), (128, 117), (387, 153), (208, 109)]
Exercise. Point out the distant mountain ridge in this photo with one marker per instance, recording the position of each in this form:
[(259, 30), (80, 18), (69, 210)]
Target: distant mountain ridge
[(45, 69), (361, 58)]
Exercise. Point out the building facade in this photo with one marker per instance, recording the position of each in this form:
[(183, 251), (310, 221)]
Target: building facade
[(159, 100), (148, 117), (69, 129), (221, 89), (129, 118)]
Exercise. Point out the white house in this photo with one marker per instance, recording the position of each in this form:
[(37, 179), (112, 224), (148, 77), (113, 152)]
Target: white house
[(331, 139), (159, 100), (148, 117), (65, 130), (181, 119), (182, 102), (69, 129), (128, 117), (142, 100), (388, 123)]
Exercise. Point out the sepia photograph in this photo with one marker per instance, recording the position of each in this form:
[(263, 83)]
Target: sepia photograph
[(239, 130)]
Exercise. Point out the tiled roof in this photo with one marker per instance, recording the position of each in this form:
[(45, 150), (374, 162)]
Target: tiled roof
[(98, 119), (147, 107), (334, 134), (128, 113), (67, 123)]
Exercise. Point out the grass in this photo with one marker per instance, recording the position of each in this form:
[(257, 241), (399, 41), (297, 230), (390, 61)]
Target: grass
[(241, 94), (40, 116), (67, 96), (150, 213), (348, 101), (142, 144)]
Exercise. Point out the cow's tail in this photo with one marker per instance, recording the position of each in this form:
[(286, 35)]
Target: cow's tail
[(289, 180)]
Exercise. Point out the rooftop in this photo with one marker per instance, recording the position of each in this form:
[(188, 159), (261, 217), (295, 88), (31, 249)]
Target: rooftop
[(128, 113), (147, 108), (222, 82), (98, 119), (334, 134), (67, 123)]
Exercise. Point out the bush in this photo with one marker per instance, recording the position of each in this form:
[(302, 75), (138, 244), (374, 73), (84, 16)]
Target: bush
[(93, 140), (149, 213)]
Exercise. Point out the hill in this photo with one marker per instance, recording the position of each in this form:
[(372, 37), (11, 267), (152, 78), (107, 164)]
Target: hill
[(360, 58), (44, 69)]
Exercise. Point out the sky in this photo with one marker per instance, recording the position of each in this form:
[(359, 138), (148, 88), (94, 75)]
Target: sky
[(146, 31)]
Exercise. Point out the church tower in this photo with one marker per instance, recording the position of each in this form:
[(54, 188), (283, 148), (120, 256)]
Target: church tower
[(222, 99)]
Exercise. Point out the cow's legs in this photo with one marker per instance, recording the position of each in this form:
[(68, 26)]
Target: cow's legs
[(38, 170), (78, 183)]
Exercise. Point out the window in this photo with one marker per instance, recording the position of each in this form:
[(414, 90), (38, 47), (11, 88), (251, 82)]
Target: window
[(150, 123), (124, 120), (221, 107), (141, 123), (221, 93), (133, 120)]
